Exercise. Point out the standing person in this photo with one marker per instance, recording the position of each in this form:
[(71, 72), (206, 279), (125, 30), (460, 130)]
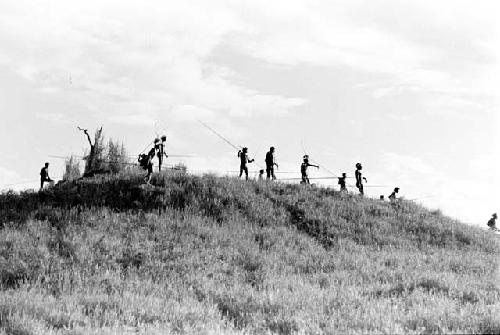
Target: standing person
[(359, 178), (392, 197), (44, 175), (161, 151), (342, 181), (261, 175), (270, 163), (149, 165), (303, 170), (492, 222), (244, 160)]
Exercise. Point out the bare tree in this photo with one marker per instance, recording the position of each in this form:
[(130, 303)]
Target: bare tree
[(94, 160)]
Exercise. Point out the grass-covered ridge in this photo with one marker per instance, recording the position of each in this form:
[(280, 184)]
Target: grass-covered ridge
[(218, 255)]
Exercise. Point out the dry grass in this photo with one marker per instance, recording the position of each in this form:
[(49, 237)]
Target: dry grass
[(203, 255)]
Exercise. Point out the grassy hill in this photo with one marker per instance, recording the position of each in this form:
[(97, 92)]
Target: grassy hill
[(216, 255)]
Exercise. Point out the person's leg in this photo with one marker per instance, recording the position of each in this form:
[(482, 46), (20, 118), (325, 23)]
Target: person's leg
[(150, 172), (41, 184), (361, 189), (268, 172), (242, 168), (272, 173), (246, 173)]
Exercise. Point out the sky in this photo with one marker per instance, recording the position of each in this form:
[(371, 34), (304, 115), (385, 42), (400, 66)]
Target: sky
[(407, 88)]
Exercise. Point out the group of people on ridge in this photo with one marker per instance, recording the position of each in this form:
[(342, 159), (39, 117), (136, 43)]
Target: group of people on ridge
[(158, 150), (271, 164)]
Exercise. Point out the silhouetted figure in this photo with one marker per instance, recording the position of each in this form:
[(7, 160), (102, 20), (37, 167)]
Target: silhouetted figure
[(303, 170), (270, 163), (342, 181), (44, 175), (382, 197), (393, 197), (261, 174), (161, 151), (244, 160), (492, 222), (149, 163), (359, 178)]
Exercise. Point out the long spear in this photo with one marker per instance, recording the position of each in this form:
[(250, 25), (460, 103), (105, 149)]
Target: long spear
[(219, 135), (223, 138)]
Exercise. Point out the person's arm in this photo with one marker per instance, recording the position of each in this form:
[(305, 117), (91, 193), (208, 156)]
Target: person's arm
[(365, 179)]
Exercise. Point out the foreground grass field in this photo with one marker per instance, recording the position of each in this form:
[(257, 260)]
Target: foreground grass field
[(210, 255)]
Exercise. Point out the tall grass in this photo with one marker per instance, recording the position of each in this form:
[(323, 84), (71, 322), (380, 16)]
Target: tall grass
[(216, 255)]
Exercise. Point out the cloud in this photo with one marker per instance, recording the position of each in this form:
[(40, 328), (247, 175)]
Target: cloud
[(124, 55), (445, 47)]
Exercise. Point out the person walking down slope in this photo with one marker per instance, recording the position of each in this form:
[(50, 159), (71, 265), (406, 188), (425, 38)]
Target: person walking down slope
[(44, 175), (492, 222), (244, 160), (392, 197), (303, 170), (359, 178), (270, 163), (342, 181), (161, 151)]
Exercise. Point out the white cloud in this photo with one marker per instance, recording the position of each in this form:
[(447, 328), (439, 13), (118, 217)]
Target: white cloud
[(124, 54)]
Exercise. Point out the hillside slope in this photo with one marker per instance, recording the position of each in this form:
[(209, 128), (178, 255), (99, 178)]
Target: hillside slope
[(219, 255)]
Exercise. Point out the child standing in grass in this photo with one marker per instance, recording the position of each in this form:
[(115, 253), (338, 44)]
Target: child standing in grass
[(342, 183), (359, 178)]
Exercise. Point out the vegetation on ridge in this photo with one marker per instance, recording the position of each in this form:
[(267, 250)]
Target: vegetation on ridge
[(218, 255)]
